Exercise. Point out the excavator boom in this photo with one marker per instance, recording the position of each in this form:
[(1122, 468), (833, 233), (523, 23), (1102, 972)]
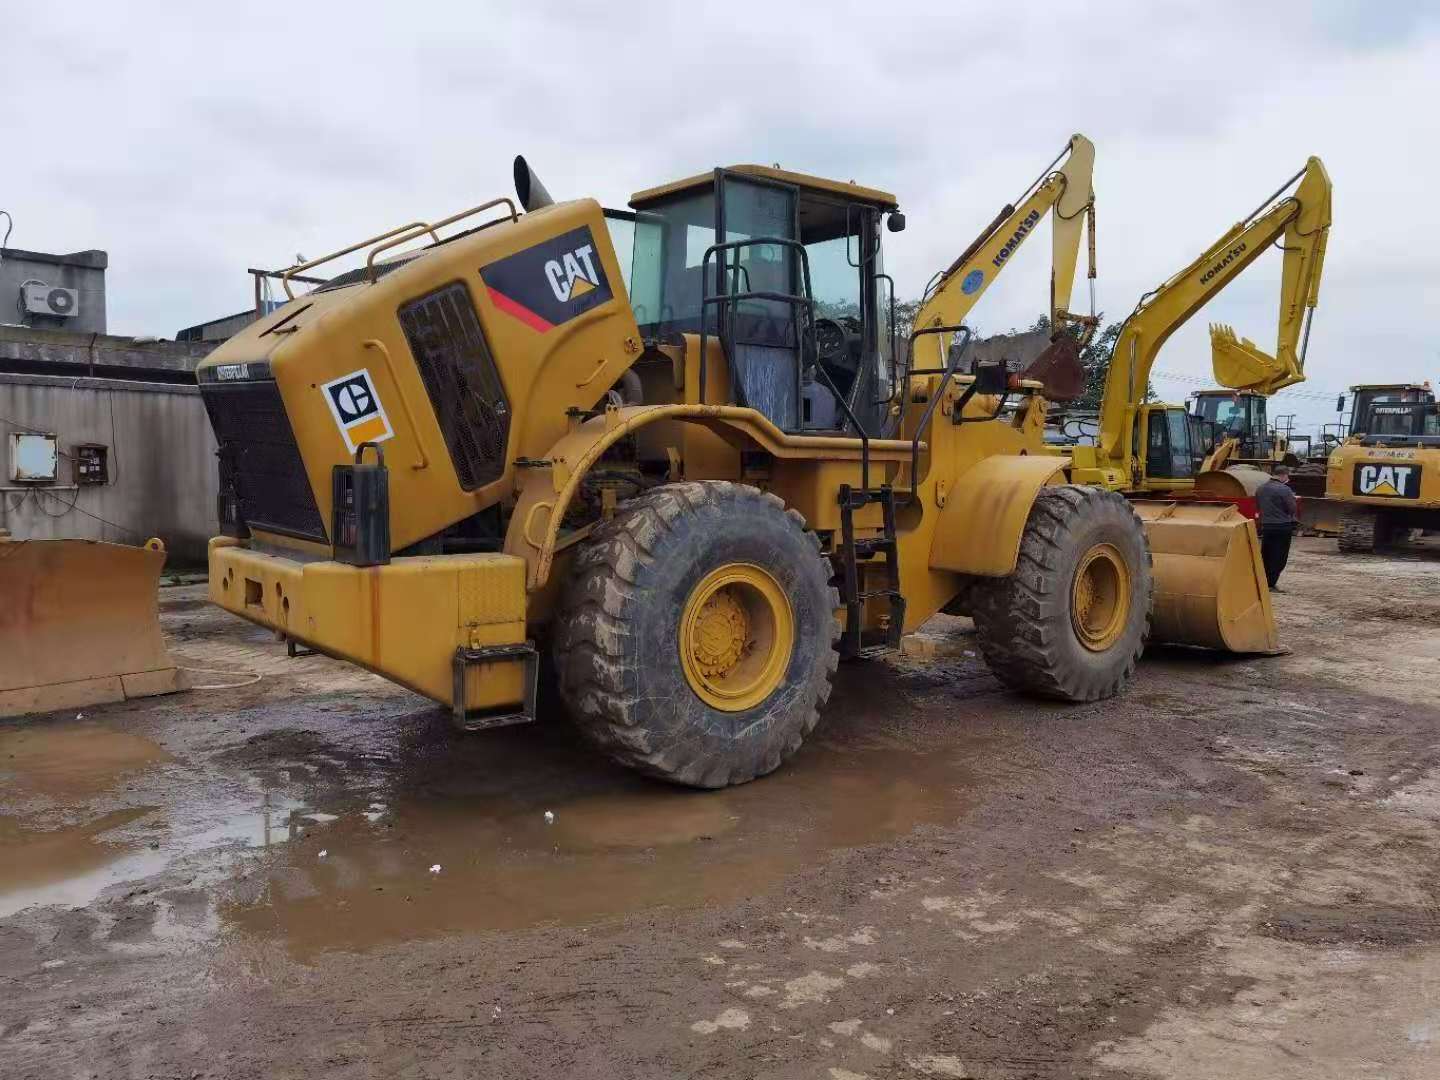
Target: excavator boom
[(1068, 192), (1301, 222)]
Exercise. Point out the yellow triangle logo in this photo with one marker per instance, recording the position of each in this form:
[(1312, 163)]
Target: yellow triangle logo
[(579, 287), (1384, 488)]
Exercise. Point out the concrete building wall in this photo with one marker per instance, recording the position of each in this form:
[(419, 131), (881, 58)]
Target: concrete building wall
[(83, 271), (45, 351), (218, 330), (163, 477)]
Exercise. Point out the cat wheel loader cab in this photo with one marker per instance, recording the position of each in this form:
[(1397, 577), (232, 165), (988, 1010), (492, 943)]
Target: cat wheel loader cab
[(1385, 476), (699, 492)]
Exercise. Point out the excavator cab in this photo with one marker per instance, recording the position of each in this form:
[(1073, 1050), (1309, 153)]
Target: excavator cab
[(786, 272), (1400, 411), (1238, 415), (1170, 447)]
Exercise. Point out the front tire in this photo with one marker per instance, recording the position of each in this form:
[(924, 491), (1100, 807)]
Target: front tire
[(1073, 619), (695, 641)]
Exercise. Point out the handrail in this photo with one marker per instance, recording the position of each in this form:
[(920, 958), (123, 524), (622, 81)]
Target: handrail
[(398, 240), (952, 362), (286, 275), (806, 301), (413, 229)]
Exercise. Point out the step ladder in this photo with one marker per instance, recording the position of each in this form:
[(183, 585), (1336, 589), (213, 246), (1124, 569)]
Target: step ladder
[(852, 554)]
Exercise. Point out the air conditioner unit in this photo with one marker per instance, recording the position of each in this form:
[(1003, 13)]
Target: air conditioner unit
[(43, 299)]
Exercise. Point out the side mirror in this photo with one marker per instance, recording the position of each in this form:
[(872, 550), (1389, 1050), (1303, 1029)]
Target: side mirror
[(1340, 403), (992, 377), (895, 222)]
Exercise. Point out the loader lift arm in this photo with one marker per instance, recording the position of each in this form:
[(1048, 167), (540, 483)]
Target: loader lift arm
[(1301, 223), (1068, 192)]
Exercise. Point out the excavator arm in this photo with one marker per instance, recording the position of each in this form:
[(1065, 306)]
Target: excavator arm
[(1069, 193), (1300, 222)]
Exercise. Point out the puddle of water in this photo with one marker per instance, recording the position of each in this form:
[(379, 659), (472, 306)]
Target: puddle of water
[(630, 846), (73, 864), (72, 758), (70, 865)]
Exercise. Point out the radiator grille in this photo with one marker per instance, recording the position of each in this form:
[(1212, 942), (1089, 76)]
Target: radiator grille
[(459, 373), (258, 453)]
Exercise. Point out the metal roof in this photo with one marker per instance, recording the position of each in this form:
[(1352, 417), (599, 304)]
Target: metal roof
[(849, 190)]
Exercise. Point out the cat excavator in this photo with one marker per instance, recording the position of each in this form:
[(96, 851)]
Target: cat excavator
[(1210, 585)]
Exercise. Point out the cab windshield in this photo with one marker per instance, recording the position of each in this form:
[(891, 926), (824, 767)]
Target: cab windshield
[(1390, 411), (1233, 415)]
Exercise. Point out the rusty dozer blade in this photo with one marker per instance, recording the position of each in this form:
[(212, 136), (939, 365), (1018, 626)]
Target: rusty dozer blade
[(80, 625), (1058, 367), (1210, 585)]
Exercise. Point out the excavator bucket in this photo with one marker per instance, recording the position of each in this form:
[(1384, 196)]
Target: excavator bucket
[(1242, 365), (80, 624), (1058, 367), (1210, 585)]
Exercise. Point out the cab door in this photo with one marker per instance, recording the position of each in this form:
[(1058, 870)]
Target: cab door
[(1169, 455), (759, 319)]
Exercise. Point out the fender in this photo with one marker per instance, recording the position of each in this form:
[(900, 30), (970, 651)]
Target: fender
[(547, 488), (984, 517)]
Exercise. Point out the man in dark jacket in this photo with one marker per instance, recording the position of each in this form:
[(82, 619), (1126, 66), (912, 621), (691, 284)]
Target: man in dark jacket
[(1279, 518)]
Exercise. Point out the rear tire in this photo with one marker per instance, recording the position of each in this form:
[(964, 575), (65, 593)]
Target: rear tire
[(1363, 531), (1073, 619), (695, 641)]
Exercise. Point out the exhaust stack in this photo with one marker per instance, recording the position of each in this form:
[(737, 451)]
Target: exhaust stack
[(528, 187)]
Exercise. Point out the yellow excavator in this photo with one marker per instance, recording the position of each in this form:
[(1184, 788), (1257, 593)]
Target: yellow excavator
[(1067, 194), (1385, 477), (1299, 224), (702, 489), (1210, 585)]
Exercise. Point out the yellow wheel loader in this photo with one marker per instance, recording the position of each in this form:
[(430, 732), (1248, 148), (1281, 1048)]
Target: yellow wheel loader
[(1385, 477), (80, 623), (701, 490)]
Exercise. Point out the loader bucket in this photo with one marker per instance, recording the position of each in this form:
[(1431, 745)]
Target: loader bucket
[(80, 625), (1210, 586)]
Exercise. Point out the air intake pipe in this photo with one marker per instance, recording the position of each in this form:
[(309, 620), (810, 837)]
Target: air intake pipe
[(528, 187)]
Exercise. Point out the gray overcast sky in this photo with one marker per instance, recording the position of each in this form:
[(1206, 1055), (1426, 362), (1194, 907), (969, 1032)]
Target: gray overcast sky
[(192, 141)]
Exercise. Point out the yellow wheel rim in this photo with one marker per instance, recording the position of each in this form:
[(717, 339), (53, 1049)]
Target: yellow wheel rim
[(736, 636), (1100, 597)]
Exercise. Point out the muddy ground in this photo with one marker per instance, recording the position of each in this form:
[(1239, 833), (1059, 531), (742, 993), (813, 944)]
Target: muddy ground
[(1231, 871)]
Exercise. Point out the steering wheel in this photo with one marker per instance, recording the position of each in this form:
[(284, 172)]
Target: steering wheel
[(833, 341), (830, 339)]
